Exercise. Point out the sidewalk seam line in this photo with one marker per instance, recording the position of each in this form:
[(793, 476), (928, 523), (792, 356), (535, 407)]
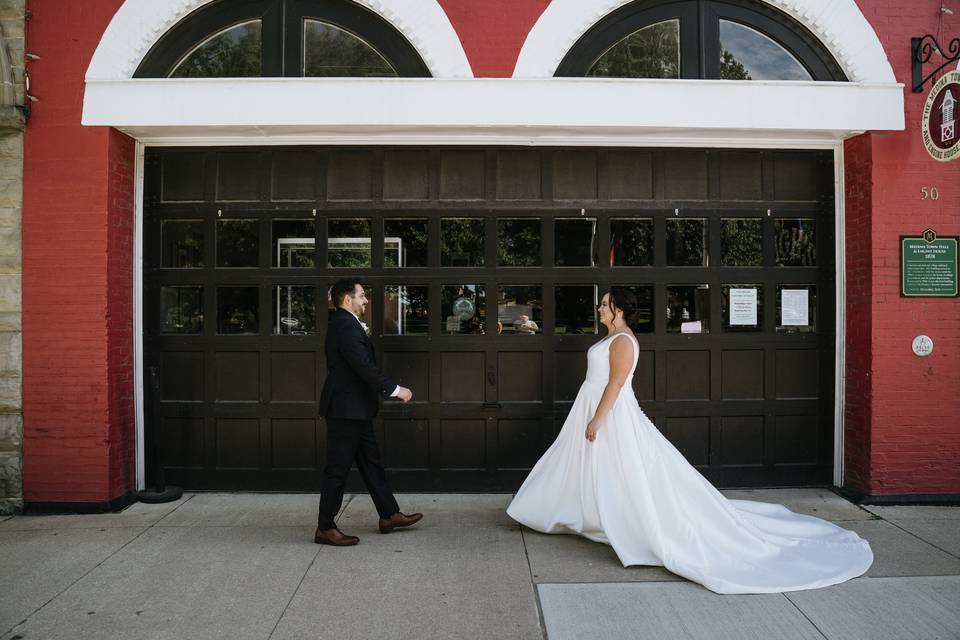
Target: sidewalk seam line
[(295, 592), (907, 531), (804, 614), (536, 592)]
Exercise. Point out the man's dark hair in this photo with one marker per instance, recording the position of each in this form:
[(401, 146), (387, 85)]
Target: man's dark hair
[(341, 288)]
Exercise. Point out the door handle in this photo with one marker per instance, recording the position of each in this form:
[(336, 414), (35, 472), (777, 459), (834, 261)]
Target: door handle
[(491, 378)]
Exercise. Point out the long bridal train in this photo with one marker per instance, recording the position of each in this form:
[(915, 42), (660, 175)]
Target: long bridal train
[(633, 490)]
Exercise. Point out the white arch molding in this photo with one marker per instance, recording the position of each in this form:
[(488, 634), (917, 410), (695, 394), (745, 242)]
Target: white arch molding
[(139, 24), (839, 24)]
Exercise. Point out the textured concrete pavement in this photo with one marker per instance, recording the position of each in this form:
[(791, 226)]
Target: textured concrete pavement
[(244, 566)]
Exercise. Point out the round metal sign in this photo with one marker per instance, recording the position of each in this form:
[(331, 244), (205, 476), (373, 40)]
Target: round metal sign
[(922, 346), (941, 133), (463, 308)]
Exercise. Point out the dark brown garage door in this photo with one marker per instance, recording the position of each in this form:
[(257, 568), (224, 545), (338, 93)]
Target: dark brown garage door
[(484, 267)]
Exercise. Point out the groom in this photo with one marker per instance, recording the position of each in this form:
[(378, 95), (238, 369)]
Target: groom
[(349, 402)]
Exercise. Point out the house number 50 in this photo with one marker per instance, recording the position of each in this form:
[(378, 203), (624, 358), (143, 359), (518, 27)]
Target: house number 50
[(929, 193)]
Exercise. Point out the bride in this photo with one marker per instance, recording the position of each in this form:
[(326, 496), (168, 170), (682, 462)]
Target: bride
[(611, 477)]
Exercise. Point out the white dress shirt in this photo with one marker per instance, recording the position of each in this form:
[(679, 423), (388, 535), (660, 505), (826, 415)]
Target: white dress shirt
[(363, 325)]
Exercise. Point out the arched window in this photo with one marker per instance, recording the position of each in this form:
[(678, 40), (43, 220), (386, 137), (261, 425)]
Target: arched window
[(712, 39), (277, 38)]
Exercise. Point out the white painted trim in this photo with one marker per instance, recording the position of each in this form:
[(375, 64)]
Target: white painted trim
[(139, 24), (839, 24), (840, 331), (138, 390), (491, 110)]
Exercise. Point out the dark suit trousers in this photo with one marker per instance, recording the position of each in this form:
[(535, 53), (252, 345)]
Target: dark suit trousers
[(350, 441)]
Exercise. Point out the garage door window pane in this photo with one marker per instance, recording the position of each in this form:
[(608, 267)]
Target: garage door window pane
[(461, 242), (576, 242), (464, 309), (231, 53), (238, 243), (796, 242), (688, 308), (519, 310), (294, 313), (742, 307), (687, 242), (348, 243), (576, 309), (518, 242), (741, 242), (181, 309), (182, 244), (406, 310), (405, 242), (631, 242), (293, 244), (237, 310)]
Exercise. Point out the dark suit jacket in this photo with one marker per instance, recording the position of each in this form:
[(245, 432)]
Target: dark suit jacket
[(354, 381)]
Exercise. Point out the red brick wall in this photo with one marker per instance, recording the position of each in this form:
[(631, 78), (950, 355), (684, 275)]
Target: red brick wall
[(913, 404), (77, 260)]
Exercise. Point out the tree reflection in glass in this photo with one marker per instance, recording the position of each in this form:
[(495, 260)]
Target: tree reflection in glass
[(406, 310), (293, 244), (651, 52), (461, 242), (688, 308), (181, 309), (576, 309), (348, 242), (576, 242), (687, 242), (294, 313), (796, 244), (182, 244), (741, 242), (463, 309), (518, 242), (330, 51), (405, 242), (238, 243), (231, 53), (237, 310), (631, 242), (519, 310)]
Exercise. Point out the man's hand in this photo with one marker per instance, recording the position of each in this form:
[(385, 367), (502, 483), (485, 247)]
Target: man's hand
[(405, 394)]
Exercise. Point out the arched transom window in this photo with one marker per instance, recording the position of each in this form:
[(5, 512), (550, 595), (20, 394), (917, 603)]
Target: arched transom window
[(274, 38), (712, 39)]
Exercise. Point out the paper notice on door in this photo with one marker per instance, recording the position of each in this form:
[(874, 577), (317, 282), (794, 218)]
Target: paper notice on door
[(794, 307), (691, 327), (743, 307)]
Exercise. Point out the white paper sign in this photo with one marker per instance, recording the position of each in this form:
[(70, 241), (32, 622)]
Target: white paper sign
[(743, 307), (691, 327), (795, 307)]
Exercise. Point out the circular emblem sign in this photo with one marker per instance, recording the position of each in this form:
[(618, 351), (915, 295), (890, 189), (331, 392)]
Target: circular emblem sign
[(941, 131), (922, 346)]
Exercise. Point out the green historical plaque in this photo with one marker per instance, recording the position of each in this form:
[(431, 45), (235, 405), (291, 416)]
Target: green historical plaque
[(928, 265)]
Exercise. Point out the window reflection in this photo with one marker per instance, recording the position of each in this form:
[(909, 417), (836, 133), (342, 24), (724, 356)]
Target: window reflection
[(747, 54), (348, 242), (463, 309), (576, 309), (687, 242), (651, 52), (631, 242), (231, 53), (742, 307), (181, 309), (238, 243), (406, 310), (333, 52), (576, 242), (461, 242), (519, 310), (405, 242), (181, 244), (237, 310), (688, 308), (741, 242), (518, 242), (796, 242), (294, 312), (293, 244)]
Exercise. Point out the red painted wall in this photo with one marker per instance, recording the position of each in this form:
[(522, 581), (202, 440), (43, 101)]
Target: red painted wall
[(77, 272), (903, 412)]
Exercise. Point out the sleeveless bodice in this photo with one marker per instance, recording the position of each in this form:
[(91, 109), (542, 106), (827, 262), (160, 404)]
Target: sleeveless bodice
[(598, 361)]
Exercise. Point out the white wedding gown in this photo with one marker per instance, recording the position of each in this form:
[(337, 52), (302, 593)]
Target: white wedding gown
[(633, 490)]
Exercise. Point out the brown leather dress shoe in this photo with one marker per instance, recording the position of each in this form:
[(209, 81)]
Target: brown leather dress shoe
[(334, 537), (399, 520)]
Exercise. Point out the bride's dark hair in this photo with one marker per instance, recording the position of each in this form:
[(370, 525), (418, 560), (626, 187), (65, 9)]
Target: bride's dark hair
[(622, 299)]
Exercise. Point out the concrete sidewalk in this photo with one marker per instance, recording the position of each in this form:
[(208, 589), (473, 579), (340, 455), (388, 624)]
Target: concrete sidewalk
[(244, 566)]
